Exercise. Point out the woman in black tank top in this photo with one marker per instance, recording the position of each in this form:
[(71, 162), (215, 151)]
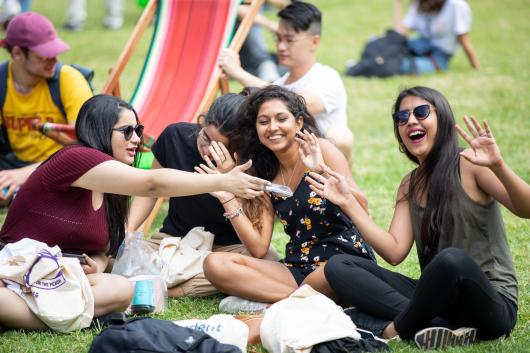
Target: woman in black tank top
[(448, 206)]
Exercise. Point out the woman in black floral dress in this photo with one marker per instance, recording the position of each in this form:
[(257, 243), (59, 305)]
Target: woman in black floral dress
[(278, 134)]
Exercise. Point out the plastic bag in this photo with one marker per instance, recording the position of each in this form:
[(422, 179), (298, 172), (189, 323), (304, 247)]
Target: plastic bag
[(142, 265)]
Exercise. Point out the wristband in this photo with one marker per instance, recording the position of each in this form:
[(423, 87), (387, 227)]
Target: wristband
[(227, 201), (230, 215)]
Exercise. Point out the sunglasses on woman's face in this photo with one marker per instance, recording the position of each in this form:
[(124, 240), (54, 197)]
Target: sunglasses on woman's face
[(420, 112), (129, 129)]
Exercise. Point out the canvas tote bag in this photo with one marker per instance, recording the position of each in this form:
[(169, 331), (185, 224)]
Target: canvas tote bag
[(183, 257), (55, 288)]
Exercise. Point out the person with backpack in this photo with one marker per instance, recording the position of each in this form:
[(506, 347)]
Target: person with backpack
[(34, 88), (442, 26)]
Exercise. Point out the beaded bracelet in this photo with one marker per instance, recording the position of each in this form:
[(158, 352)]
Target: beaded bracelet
[(230, 215)]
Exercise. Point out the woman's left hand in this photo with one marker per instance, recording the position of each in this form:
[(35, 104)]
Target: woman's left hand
[(91, 265), (310, 150), (222, 158), (484, 150)]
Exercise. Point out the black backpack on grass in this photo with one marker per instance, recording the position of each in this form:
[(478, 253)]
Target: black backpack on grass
[(144, 334), (382, 57)]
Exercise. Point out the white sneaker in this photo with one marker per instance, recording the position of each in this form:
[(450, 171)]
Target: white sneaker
[(233, 304), (439, 337)]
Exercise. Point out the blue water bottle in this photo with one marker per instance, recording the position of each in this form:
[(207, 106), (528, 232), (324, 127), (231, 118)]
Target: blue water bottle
[(143, 299)]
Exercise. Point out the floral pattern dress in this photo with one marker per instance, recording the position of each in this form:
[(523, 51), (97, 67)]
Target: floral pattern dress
[(318, 229)]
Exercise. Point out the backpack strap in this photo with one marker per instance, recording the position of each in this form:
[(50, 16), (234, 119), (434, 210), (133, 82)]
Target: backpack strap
[(4, 142), (4, 66), (54, 85)]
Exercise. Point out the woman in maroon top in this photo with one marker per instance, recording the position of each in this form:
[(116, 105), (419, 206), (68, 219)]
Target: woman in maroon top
[(78, 200)]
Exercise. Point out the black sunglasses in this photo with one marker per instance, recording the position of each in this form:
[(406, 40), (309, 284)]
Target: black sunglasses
[(420, 112), (129, 129)]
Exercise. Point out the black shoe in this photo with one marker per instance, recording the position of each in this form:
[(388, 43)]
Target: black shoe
[(107, 320), (367, 322)]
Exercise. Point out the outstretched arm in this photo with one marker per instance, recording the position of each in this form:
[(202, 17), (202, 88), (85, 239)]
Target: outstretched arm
[(496, 179), (318, 154), (141, 207), (229, 61), (398, 25), (394, 245), (465, 41), (118, 178)]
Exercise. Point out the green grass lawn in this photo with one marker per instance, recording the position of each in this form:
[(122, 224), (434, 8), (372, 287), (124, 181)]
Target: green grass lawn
[(500, 92)]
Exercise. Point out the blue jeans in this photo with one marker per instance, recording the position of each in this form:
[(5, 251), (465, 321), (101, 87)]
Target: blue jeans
[(426, 58)]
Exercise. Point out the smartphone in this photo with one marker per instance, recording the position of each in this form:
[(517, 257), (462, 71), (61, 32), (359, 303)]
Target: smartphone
[(81, 258), (279, 190)]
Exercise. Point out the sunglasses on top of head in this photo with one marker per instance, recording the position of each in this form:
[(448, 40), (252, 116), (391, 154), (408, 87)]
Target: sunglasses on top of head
[(129, 129), (420, 112)]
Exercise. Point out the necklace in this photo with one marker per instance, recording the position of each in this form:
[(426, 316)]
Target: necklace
[(21, 89), (292, 173)]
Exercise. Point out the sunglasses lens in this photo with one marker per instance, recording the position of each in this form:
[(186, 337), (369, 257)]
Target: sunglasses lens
[(422, 111), (127, 132), (401, 117), (139, 129)]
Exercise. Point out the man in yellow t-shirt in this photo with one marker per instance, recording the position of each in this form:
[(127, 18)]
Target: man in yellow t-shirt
[(33, 44)]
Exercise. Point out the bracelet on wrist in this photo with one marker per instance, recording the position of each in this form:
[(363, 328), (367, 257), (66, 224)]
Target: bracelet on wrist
[(235, 213), (227, 201)]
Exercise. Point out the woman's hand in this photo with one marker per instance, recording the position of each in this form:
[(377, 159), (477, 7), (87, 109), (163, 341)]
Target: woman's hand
[(222, 196), (484, 150), (243, 185), (222, 158), (310, 150), (91, 265), (332, 186)]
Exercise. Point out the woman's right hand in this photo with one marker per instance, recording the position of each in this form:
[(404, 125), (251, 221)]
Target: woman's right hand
[(243, 185), (332, 186)]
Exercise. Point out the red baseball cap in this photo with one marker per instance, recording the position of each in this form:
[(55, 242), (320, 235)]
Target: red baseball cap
[(34, 31)]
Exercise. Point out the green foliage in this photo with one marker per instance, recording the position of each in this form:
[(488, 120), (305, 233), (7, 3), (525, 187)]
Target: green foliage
[(500, 92)]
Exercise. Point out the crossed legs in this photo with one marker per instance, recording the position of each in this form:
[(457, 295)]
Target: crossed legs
[(257, 279)]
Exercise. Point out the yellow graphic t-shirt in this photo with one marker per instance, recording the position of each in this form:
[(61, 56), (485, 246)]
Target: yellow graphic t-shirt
[(21, 110)]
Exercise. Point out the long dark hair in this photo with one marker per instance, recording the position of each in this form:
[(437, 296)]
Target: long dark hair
[(437, 177), (245, 141), (430, 6), (223, 114), (97, 117)]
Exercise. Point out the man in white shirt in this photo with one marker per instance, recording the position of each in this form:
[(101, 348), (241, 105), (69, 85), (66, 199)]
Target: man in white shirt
[(297, 40)]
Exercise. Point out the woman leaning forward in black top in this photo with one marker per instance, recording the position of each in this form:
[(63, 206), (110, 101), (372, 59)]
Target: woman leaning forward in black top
[(448, 205)]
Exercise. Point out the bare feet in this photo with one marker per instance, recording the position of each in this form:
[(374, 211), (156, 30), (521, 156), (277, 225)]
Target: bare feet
[(254, 325)]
